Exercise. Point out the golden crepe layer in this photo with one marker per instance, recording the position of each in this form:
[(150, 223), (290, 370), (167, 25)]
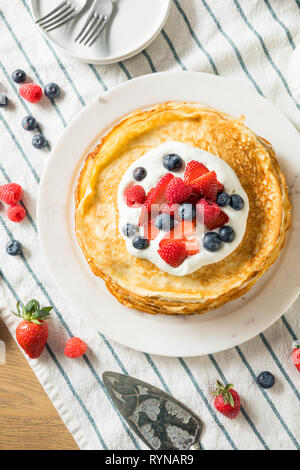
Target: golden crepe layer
[(139, 284)]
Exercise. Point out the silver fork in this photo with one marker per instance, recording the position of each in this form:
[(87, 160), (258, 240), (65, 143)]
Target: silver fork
[(98, 18), (62, 14)]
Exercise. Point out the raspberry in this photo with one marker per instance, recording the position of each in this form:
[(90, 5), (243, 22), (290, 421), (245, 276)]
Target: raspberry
[(75, 347), (31, 92), (173, 253), (177, 191), (193, 171), (207, 211), (11, 193), (221, 220), (16, 213), (134, 195), (207, 186)]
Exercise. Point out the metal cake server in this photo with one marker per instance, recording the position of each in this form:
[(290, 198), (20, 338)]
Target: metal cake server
[(161, 421)]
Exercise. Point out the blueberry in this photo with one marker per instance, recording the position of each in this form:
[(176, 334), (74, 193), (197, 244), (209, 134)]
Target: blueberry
[(129, 230), (212, 241), (3, 101), (140, 243), (29, 123), (223, 199), (14, 248), (265, 379), (172, 162), (52, 91), (139, 173), (164, 222), (19, 76), (187, 211), (236, 202), (39, 141), (227, 234)]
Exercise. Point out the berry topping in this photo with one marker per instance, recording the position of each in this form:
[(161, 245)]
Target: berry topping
[(19, 76), (29, 123), (177, 191), (187, 211), (11, 193), (164, 222), (134, 195), (75, 347), (3, 100), (223, 199), (129, 230), (150, 230), (157, 195), (39, 141), (14, 248), (296, 354), (265, 379), (172, 162), (212, 241), (184, 232), (139, 173), (193, 171), (227, 234), (16, 213), (236, 202), (140, 243), (221, 220), (31, 92), (52, 91), (207, 186), (207, 211), (32, 331), (173, 253), (227, 400)]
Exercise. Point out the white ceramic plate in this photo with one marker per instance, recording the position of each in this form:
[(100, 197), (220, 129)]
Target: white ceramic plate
[(194, 335), (133, 26)]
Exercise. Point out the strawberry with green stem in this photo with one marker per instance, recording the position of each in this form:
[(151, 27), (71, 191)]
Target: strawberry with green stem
[(227, 400), (32, 331)]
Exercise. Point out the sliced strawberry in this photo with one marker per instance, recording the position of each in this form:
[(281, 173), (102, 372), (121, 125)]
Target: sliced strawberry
[(207, 186), (193, 171), (186, 232), (173, 253), (157, 195), (177, 191), (193, 199), (207, 211), (144, 216), (221, 220), (134, 195)]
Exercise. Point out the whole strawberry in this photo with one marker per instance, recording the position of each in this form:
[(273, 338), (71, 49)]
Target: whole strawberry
[(32, 332), (227, 400), (296, 354)]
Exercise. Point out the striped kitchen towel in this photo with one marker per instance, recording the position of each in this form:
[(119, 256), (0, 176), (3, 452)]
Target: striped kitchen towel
[(247, 41)]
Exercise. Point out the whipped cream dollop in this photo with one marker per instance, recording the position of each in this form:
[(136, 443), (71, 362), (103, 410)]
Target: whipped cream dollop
[(152, 161)]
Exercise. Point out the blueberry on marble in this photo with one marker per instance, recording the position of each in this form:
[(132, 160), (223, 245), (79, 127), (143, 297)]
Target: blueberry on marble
[(52, 91), (265, 379), (3, 101), (223, 199), (236, 202), (19, 76), (129, 230), (14, 248), (39, 141), (29, 123), (212, 241), (140, 243), (164, 222), (187, 211), (227, 234), (139, 173), (172, 162)]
